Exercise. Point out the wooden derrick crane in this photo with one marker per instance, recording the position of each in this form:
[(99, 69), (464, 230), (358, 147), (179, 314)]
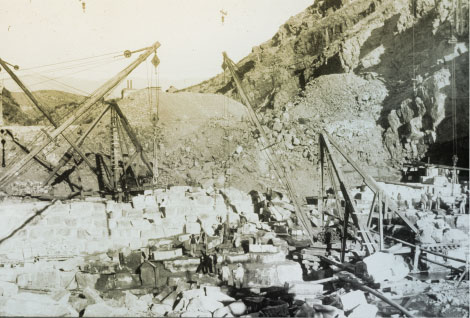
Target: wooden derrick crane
[(329, 162), (119, 124)]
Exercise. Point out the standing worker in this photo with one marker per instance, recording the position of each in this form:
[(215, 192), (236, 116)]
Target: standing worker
[(239, 276), (193, 242), (463, 203), (424, 201), (438, 200)]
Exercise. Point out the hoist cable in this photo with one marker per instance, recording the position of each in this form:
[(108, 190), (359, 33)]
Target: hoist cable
[(69, 61)]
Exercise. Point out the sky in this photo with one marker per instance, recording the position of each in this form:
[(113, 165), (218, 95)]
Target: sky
[(192, 36)]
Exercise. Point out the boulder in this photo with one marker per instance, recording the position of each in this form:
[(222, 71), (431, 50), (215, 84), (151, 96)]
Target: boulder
[(216, 294), (353, 299), (406, 111), (237, 308), (170, 299), (272, 274), (462, 222), (92, 295), (160, 310), (454, 236), (393, 120), (384, 266), (210, 304), (433, 94), (303, 290)]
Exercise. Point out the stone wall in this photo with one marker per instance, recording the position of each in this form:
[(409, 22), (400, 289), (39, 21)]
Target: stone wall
[(44, 229)]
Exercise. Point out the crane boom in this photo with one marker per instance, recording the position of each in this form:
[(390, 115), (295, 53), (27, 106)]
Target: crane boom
[(84, 107), (284, 177)]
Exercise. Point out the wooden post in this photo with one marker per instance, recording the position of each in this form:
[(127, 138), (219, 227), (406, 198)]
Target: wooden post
[(345, 231), (322, 183), (372, 208), (416, 259), (381, 222), (348, 198), (369, 181)]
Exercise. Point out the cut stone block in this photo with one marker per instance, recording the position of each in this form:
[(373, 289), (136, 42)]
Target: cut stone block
[(127, 280), (353, 299), (184, 237), (167, 290), (151, 275), (267, 258), (263, 248), (275, 274), (163, 244), (131, 259), (170, 299), (303, 290), (160, 310), (182, 265), (150, 202), (164, 255), (239, 258), (138, 202), (193, 228), (45, 280), (191, 218), (86, 280)]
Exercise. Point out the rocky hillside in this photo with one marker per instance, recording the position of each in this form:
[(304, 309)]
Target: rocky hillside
[(57, 103), (388, 78), (12, 112)]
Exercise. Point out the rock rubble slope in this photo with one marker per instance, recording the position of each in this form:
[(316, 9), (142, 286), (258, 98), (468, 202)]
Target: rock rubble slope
[(391, 64)]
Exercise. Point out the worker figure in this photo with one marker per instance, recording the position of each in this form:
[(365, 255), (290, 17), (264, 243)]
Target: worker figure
[(400, 203), (429, 197), (193, 243), (438, 200), (207, 264), (424, 201), (434, 201), (243, 220), (463, 203), (225, 274), (239, 276), (162, 208), (237, 240), (204, 240), (214, 263), (201, 267)]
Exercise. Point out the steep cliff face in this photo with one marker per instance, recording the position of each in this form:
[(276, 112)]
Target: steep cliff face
[(395, 72)]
